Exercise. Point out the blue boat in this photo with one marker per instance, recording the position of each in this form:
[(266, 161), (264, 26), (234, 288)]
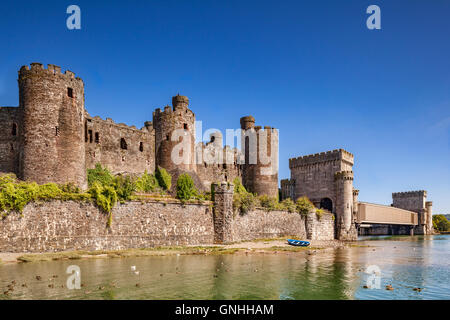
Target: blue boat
[(298, 243)]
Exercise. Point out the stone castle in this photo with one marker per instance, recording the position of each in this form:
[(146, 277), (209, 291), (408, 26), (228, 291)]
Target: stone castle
[(326, 178), (50, 137)]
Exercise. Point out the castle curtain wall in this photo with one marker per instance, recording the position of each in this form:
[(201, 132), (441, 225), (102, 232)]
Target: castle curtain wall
[(122, 149), (9, 139)]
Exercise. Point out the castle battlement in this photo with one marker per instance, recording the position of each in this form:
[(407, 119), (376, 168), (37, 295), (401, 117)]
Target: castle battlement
[(38, 68), (334, 155), (409, 194), (90, 120), (343, 175)]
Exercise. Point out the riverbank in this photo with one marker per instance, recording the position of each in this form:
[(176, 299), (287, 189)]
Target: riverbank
[(273, 246)]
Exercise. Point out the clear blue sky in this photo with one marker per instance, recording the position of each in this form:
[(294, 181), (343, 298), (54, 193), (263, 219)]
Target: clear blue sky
[(309, 68)]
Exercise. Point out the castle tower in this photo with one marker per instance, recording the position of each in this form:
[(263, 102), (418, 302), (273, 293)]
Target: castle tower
[(260, 147), (344, 206), (52, 107), (429, 221), (416, 201), (173, 126)]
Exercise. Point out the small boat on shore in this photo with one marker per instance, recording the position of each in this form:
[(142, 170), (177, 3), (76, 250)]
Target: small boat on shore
[(298, 243)]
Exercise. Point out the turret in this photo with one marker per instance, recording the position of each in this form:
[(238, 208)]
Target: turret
[(52, 106), (172, 126), (260, 147), (344, 204)]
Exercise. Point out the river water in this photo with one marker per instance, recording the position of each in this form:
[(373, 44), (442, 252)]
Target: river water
[(404, 263)]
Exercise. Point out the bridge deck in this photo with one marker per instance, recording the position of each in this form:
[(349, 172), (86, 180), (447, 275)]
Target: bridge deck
[(380, 214)]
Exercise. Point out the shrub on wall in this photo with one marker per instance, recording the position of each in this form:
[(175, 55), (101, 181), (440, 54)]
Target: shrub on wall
[(185, 187), (15, 194), (105, 198), (164, 178), (147, 183), (101, 175), (124, 186), (243, 201), (288, 205), (304, 205), (319, 213), (269, 203)]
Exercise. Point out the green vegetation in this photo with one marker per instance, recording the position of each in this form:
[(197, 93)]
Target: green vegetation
[(289, 205), (101, 175), (105, 190), (15, 194), (304, 205), (147, 183), (185, 187), (243, 201), (164, 178), (269, 204), (319, 213), (440, 223)]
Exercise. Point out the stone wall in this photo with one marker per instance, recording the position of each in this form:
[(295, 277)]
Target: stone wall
[(9, 139), (57, 226), (320, 228), (260, 224), (121, 148)]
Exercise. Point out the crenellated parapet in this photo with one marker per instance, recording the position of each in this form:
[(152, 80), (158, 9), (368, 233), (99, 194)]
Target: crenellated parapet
[(37, 69), (334, 155), (344, 175), (409, 194)]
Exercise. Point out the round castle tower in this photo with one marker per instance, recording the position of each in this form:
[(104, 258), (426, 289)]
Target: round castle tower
[(182, 120), (259, 175), (52, 107), (344, 204)]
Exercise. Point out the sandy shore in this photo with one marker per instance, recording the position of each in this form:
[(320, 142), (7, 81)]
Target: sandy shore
[(274, 246)]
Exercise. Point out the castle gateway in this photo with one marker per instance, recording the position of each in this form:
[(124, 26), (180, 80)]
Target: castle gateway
[(326, 178)]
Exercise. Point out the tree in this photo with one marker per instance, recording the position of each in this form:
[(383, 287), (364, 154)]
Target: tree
[(441, 223)]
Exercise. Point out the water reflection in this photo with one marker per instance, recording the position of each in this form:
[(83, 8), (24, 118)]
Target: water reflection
[(422, 262)]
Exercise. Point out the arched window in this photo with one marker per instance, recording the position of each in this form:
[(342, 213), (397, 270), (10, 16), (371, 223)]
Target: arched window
[(141, 147), (123, 144), (14, 129)]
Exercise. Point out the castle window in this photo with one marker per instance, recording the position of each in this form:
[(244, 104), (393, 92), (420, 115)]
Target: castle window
[(14, 129), (205, 165), (185, 126), (97, 137), (123, 144), (224, 165), (70, 92), (141, 147), (56, 131), (90, 136), (167, 137)]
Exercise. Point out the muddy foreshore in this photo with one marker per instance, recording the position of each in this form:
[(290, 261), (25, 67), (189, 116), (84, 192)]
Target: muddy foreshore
[(272, 246)]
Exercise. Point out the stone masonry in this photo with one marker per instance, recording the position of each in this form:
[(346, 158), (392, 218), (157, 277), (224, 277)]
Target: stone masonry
[(50, 137), (69, 225)]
